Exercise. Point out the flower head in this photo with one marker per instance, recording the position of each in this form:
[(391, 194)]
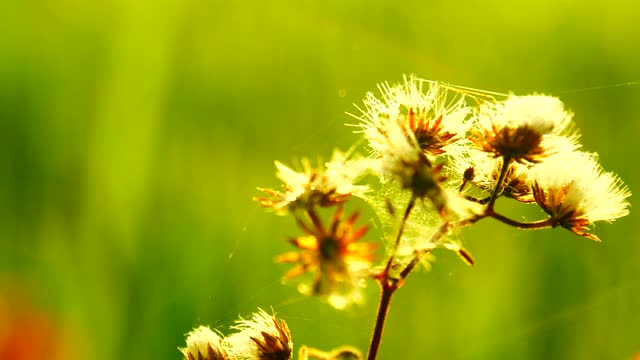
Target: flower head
[(576, 192), (204, 344), (263, 337), (516, 128), (483, 171), (410, 123), (333, 184), (427, 116), (333, 256)]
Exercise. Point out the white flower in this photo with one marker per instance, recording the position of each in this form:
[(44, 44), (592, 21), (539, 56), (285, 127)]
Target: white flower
[(542, 113), (517, 128), (414, 114), (330, 185), (576, 192), (204, 344), (486, 171), (261, 337)]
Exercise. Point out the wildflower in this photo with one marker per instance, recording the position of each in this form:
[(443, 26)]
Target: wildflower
[(576, 192), (428, 118), (204, 344), (333, 256), (409, 124), (516, 128), (332, 185), (263, 337), (483, 171), (404, 160)]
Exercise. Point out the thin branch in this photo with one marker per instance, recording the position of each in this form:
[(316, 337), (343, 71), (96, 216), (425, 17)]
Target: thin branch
[(388, 286), (506, 161), (476, 200), (536, 225), (417, 258), (463, 185), (396, 245), (469, 221), (383, 310)]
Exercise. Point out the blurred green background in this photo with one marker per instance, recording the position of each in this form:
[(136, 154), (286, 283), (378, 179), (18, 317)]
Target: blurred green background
[(133, 135)]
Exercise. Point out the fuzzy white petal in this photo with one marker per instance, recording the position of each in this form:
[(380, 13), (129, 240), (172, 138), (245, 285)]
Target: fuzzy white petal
[(240, 344), (198, 341), (545, 114), (600, 195)]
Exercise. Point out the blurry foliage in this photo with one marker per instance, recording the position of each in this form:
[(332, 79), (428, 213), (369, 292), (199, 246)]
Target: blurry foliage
[(133, 135)]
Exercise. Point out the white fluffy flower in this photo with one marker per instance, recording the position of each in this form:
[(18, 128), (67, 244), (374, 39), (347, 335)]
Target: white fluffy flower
[(520, 127), (542, 113), (329, 185), (261, 337), (408, 126), (576, 192), (204, 344), (414, 116), (486, 171)]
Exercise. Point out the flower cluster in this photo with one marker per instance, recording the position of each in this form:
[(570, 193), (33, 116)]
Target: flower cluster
[(448, 155), (442, 154), (336, 261), (262, 337)]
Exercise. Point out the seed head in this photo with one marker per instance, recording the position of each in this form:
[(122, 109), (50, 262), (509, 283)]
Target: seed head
[(576, 192), (204, 344), (423, 112), (486, 171), (516, 128), (330, 185), (263, 337)]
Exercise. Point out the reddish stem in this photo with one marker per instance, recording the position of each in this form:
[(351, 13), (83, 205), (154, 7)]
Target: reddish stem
[(383, 308)]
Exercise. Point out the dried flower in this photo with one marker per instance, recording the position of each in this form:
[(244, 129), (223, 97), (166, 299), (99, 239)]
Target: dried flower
[(484, 170), (576, 192), (333, 184), (204, 344), (516, 128), (412, 121), (402, 159), (333, 256), (429, 119), (263, 337)]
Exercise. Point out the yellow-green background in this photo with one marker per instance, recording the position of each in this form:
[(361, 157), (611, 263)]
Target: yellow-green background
[(133, 135)]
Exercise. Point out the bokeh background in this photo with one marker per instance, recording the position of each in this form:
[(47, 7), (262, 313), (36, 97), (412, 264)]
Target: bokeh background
[(133, 135)]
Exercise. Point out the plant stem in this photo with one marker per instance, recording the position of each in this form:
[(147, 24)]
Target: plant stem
[(506, 161), (396, 245), (442, 231), (388, 286), (383, 308), (479, 201), (540, 224)]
